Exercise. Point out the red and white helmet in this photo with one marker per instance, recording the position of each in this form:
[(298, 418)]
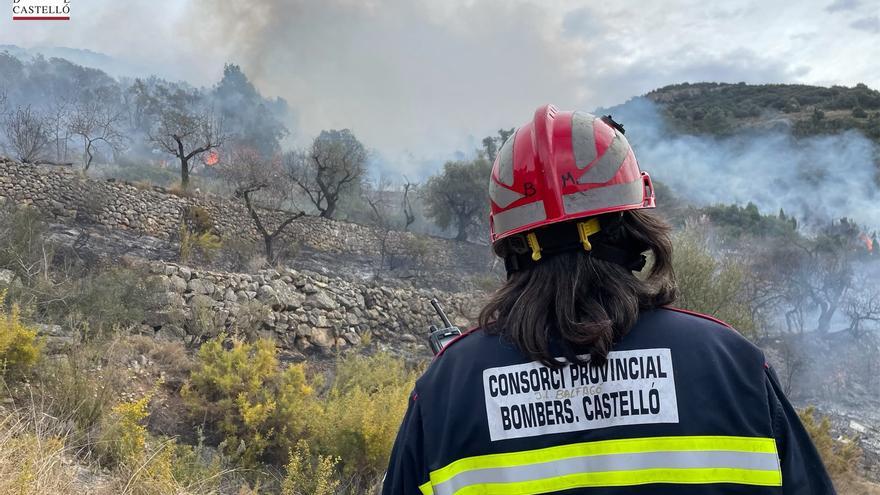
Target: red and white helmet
[(563, 166)]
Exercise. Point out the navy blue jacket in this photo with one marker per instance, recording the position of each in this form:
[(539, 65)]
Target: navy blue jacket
[(684, 405)]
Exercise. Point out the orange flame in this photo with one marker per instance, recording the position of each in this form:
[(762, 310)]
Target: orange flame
[(212, 158), (869, 243)]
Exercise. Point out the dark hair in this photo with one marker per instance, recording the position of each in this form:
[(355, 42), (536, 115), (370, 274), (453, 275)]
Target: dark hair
[(586, 302)]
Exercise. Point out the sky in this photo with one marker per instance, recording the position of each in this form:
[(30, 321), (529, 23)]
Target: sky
[(422, 81)]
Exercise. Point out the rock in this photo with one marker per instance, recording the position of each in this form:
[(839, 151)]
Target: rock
[(352, 338), (6, 276), (322, 337), (173, 333), (321, 300), (200, 286), (50, 330), (318, 320), (177, 284), (166, 316), (230, 295), (302, 344), (185, 273), (266, 294), (202, 301)]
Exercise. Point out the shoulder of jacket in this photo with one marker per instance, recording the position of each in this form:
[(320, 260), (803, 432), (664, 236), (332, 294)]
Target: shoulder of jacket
[(699, 315), (456, 340)]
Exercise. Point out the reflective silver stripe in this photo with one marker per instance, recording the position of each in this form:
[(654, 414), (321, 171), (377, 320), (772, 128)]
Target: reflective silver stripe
[(718, 459), (605, 169), (517, 217), (505, 160), (605, 197), (501, 195), (583, 139)]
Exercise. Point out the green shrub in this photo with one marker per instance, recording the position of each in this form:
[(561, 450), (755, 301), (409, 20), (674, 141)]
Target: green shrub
[(22, 249), (263, 412), (19, 346), (362, 411), (123, 437), (204, 243), (242, 394), (308, 476), (840, 456), (114, 298), (711, 284)]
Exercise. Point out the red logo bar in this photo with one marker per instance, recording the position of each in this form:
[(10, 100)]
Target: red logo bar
[(39, 18)]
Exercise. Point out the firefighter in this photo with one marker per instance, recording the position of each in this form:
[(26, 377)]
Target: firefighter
[(581, 378)]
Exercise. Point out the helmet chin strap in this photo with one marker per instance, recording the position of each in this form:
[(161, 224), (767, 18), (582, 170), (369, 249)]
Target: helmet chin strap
[(526, 250)]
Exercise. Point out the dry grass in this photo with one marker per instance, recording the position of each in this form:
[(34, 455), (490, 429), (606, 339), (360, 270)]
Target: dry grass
[(39, 455), (35, 457)]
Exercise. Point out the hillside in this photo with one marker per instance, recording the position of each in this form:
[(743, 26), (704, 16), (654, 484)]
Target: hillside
[(724, 109), (144, 358)]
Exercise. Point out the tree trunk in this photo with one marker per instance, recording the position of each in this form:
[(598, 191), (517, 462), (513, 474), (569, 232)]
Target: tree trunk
[(89, 156), (184, 173), (825, 315), (330, 210), (462, 230), (268, 240)]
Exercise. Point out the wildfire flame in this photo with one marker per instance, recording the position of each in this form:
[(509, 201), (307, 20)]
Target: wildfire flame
[(212, 158), (869, 243)]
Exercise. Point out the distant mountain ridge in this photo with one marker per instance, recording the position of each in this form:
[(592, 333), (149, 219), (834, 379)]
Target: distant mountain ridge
[(724, 109), (86, 58)]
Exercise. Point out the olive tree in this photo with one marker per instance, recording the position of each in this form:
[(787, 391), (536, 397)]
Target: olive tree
[(458, 197), (333, 166), (183, 125), (264, 185), (96, 123)]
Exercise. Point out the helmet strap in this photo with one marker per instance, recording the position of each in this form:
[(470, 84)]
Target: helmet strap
[(527, 250)]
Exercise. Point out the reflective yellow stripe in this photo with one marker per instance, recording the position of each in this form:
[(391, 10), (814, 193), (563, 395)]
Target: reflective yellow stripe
[(625, 478), (633, 461)]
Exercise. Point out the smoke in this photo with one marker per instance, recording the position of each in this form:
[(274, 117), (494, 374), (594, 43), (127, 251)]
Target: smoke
[(818, 179), (403, 75)]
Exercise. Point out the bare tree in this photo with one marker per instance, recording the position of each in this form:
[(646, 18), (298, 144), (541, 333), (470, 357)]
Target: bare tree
[(187, 133), (862, 306), (263, 185), (96, 123), (409, 214), (26, 133), (58, 126), (334, 164), (377, 197)]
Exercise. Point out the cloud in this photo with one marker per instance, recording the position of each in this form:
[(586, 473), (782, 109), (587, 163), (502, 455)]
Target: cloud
[(840, 5), (693, 64), (868, 24)]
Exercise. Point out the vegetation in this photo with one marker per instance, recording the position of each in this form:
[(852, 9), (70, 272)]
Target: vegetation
[(458, 197), (720, 109), (150, 417), (19, 347), (711, 285), (260, 412)]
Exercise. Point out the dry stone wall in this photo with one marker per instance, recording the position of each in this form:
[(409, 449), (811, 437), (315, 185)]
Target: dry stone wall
[(303, 312), (68, 195)]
